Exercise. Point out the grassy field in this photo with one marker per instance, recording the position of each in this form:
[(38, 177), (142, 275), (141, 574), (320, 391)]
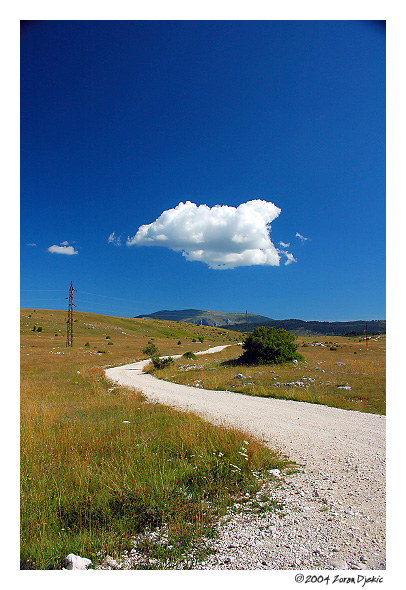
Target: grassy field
[(99, 463), (343, 373)]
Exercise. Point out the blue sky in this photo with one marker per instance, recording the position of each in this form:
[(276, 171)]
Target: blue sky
[(124, 120)]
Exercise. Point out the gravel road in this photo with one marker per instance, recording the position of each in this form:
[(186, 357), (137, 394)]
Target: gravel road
[(334, 516)]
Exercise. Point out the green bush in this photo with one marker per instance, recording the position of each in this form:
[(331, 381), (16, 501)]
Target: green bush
[(269, 346), (161, 363), (189, 355), (151, 350), (333, 347), (87, 344)]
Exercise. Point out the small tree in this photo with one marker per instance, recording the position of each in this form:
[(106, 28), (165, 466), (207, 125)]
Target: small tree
[(150, 350), (267, 346)]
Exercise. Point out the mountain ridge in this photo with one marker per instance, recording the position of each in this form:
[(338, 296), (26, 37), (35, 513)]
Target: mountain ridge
[(238, 322)]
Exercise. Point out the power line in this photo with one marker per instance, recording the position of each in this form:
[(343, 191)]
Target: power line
[(132, 301), (120, 298), (22, 300)]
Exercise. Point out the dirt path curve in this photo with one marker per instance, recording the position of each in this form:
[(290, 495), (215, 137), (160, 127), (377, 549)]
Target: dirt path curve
[(338, 500)]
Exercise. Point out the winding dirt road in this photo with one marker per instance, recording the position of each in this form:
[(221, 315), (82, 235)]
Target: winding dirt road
[(343, 453)]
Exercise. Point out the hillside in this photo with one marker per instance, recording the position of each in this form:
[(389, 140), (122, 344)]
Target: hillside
[(237, 322), (117, 336)]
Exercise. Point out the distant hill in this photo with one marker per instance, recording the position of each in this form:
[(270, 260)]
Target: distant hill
[(206, 317), (237, 322)]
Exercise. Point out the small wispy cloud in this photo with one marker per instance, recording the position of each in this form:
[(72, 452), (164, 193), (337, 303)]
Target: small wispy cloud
[(113, 239), (31, 244), (222, 237), (289, 257), (62, 249), (284, 245), (301, 238)]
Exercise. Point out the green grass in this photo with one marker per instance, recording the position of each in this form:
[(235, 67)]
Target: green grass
[(99, 464)]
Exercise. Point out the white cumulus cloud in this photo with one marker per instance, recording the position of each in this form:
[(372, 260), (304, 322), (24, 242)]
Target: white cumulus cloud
[(222, 237), (69, 250)]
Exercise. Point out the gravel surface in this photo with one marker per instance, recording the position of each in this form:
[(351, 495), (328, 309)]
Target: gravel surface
[(334, 513)]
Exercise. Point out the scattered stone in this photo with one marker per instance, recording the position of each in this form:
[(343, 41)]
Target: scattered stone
[(360, 566), (339, 564), (239, 376), (363, 559), (110, 562)]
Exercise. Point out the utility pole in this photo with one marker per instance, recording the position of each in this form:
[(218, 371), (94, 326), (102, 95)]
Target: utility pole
[(69, 323), (366, 334), (246, 320)]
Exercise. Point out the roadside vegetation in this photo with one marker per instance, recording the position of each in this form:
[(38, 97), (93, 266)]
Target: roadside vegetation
[(341, 372), (99, 464)]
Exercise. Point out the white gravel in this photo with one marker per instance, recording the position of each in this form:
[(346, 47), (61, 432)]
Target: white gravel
[(335, 507)]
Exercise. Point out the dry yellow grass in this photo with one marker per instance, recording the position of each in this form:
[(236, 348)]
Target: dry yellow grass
[(98, 463)]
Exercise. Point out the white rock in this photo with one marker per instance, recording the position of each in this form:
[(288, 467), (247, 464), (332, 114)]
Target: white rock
[(339, 564), (75, 562)]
